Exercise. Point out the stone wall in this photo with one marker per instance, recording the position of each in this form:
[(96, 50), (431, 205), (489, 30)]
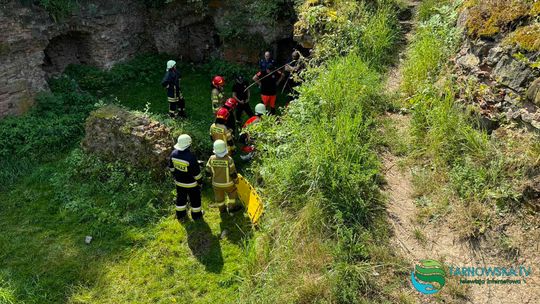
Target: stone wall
[(114, 134), (499, 77), (33, 47)]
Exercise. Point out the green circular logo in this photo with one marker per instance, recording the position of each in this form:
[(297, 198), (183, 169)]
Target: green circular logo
[(428, 272)]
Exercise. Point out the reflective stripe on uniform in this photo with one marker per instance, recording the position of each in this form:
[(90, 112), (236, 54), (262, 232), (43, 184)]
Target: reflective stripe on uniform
[(181, 208), (180, 164), (198, 209), (184, 185), (223, 185), (198, 176), (172, 99)]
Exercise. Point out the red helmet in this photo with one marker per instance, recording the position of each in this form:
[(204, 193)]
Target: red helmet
[(218, 81), (231, 103), (222, 113)]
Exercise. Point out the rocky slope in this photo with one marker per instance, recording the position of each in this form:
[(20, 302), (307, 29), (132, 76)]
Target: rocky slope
[(498, 65)]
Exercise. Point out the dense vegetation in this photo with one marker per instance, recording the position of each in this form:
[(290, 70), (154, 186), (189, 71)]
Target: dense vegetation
[(53, 195), (461, 168), (324, 236), (325, 233)]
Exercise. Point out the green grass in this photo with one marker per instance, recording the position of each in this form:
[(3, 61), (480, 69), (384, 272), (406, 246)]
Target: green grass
[(460, 168), (138, 248), (139, 253)]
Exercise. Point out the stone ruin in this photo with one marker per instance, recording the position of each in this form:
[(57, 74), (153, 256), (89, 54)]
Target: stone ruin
[(114, 133), (33, 47)]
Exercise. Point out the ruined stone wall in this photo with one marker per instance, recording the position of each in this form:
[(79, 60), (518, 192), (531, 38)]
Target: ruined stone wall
[(33, 47), (115, 133)]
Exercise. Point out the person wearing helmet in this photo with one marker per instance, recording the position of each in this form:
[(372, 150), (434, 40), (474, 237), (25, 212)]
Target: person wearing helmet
[(218, 96), (171, 82), (188, 178), (269, 81), (242, 95), (224, 178), (231, 105), (248, 148), (219, 129)]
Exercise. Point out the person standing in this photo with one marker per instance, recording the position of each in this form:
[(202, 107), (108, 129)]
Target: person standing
[(187, 177), (224, 178), (242, 95), (171, 82), (266, 61), (268, 81), (231, 105), (218, 96), (220, 131), (292, 74)]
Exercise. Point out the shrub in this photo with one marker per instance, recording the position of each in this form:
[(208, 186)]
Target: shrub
[(58, 9), (107, 195), (140, 70), (53, 126), (340, 27)]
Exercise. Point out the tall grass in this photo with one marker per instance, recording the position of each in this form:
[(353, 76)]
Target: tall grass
[(324, 229), (434, 41), (462, 168)]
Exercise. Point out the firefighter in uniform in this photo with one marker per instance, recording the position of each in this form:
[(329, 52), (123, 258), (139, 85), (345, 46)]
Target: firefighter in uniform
[(171, 81), (224, 178), (188, 178), (248, 149), (231, 105), (218, 96), (219, 130)]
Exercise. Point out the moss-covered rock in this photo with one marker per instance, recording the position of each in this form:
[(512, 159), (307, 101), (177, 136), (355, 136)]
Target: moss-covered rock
[(117, 134), (526, 38), (533, 93), (489, 18)]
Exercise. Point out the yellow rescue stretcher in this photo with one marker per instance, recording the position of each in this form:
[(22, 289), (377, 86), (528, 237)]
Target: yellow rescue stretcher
[(251, 200)]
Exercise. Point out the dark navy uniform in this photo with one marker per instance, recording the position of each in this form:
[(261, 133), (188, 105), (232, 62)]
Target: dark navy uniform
[(187, 176), (171, 81)]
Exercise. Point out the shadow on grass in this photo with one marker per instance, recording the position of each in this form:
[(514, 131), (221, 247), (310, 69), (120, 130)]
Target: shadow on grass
[(204, 245), (237, 226)]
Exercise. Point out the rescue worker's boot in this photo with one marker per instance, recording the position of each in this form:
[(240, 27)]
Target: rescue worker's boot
[(181, 215), (222, 208), (182, 114), (197, 215), (272, 111), (234, 206)]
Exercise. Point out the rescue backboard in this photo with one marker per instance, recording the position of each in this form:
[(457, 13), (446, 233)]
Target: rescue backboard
[(251, 200)]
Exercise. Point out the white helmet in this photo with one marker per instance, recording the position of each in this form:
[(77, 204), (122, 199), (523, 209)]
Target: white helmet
[(220, 148), (184, 141), (170, 64), (260, 109)]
